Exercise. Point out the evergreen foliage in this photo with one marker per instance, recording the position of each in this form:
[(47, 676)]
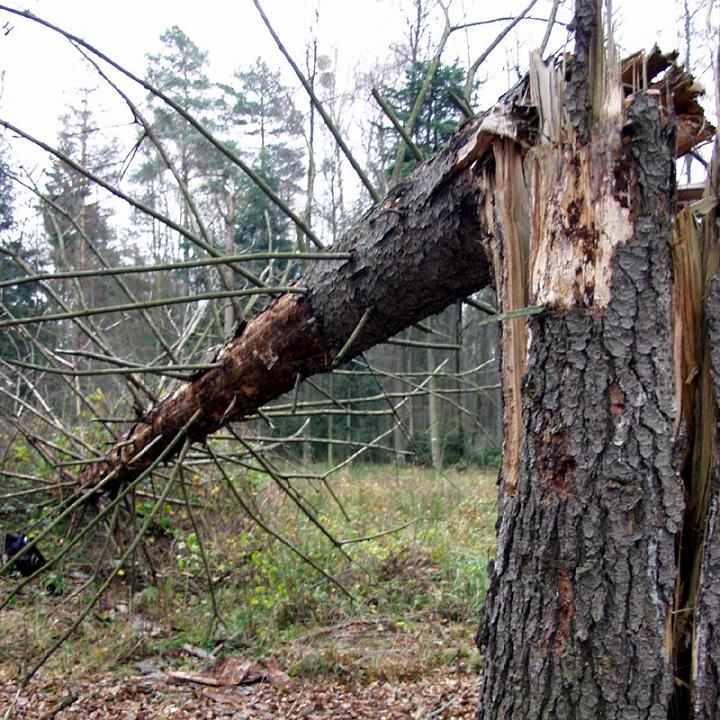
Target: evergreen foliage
[(438, 117), (20, 300)]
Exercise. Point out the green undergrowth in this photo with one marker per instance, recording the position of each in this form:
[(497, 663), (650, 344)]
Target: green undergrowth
[(408, 568)]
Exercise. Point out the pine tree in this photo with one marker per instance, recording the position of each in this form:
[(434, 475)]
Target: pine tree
[(75, 220), (80, 236), (438, 118), (271, 127), (180, 71), (16, 301)]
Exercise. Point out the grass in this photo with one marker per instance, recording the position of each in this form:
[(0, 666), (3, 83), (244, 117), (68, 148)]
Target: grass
[(417, 591)]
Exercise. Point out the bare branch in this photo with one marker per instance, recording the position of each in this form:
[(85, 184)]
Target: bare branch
[(321, 110), (224, 149), (470, 81)]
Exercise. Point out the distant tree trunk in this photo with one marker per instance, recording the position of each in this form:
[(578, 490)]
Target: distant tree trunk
[(400, 365), (331, 427), (457, 385), (434, 425)]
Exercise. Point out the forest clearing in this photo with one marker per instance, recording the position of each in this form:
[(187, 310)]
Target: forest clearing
[(403, 648), (390, 392)]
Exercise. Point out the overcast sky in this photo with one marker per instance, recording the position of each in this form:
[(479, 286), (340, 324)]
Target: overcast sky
[(41, 72)]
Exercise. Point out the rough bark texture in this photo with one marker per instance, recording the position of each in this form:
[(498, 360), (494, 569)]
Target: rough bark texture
[(706, 670), (585, 70), (704, 596), (567, 202), (577, 620), (413, 255)]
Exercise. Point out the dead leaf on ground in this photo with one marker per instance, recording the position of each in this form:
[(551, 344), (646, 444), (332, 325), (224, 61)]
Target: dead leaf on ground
[(232, 671), (203, 678), (237, 671)]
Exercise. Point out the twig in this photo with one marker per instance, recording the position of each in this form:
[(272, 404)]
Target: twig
[(510, 314), (381, 534), (169, 370), (272, 533), (224, 149), (422, 344), (91, 331), (203, 556), (11, 707), (478, 23), (374, 194), (160, 302), (549, 28), (68, 383), (131, 548), (296, 393), (479, 305), (353, 337), (72, 507), (120, 283), (150, 133), (293, 494), (458, 100), (163, 267), (470, 80), (414, 149)]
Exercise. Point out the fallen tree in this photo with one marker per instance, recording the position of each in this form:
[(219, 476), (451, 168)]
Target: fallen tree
[(563, 196), (421, 249)]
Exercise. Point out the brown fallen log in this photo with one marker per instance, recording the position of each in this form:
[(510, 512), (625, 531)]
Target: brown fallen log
[(413, 255), (425, 246)]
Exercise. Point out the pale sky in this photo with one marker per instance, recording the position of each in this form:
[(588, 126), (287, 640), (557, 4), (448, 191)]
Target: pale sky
[(41, 72)]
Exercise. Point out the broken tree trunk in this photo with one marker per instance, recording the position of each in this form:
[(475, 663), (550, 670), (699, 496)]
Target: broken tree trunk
[(699, 646), (581, 616), (563, 197), (416, 253)]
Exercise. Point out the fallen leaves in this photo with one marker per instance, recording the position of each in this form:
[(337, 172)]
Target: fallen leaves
[(441, 696), (236, 671)]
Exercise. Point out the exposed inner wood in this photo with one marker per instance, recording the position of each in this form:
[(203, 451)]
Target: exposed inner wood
[(580, 205), (656, 72), (592, 514), (511, 246), (561, 196), (697, 299)]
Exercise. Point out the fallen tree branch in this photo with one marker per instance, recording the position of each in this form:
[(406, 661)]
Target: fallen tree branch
[(411, 256)]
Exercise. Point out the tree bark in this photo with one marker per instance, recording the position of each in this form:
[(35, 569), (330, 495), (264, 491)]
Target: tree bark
[(706, 640), (703, 596), (580, 619), (562, 196), (578, 616)]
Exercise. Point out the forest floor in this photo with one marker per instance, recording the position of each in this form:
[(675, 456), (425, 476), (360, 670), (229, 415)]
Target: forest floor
[(288, 646), (442, 694)]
